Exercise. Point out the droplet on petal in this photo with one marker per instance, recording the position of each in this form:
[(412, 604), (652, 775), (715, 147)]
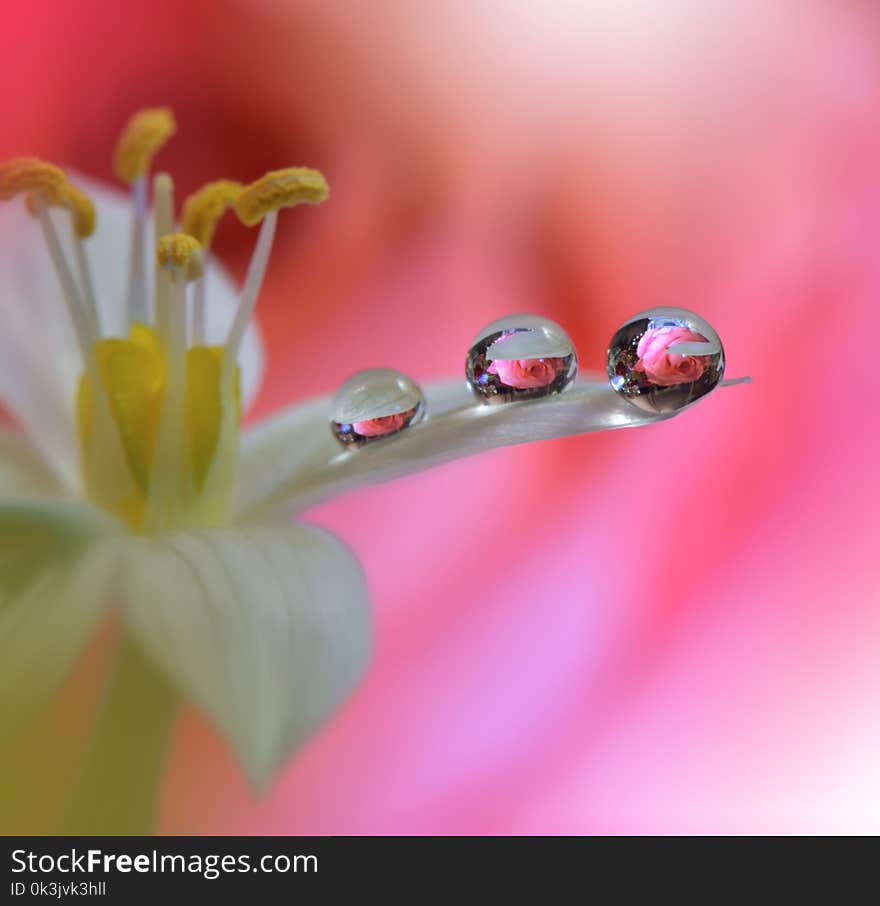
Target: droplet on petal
[(520, 357), (373, 404), (664, 359)]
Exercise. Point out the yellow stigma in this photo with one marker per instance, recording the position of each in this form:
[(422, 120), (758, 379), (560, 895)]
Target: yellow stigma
[(280, 189), (30, 174), (77, 202), (144, 134), (203, 209), (181, 253)]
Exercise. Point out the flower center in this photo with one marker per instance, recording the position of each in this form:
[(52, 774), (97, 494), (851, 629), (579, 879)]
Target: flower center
[(158, 410), (134, 374)]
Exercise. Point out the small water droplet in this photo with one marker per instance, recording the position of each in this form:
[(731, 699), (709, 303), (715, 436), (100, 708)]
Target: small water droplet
[(520, 357), (373, 404), (656, 360)]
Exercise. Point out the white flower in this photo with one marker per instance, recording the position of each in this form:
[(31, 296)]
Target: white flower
[(129, 487)]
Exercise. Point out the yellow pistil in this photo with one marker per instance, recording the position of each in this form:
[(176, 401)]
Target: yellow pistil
[(144, 134), (30, 174), (203, 209), (280, 189)]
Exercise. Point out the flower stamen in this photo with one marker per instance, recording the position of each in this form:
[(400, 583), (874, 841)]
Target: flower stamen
[(280, 189), (157, 413), (163, 224), (253, 281), (30, 174), (262, 200), (181, 254), (47, 185), (82, 216), (201, 213), (105, 472), (76, 306), (136, 311), (82, 223), (141, 139), (179, 260), (203, 209)]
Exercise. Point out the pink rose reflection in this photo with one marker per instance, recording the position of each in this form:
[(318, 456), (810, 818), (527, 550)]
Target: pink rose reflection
[(525, 374), (386, 424), (665, 368)]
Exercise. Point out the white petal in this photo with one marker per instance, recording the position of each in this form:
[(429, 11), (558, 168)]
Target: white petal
[(374, 393), (529, 344), (38, 357), (263, 627), (536, 337), (292, 459), (222, 300), (694, 348), (56, 566), (22, 467)]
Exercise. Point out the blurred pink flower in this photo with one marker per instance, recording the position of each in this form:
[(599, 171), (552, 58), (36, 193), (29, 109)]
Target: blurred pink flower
[(526, 373), (664, 368), (726, 156)]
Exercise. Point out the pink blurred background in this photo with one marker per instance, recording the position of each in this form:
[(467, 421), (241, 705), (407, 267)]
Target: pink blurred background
[(668, 630)]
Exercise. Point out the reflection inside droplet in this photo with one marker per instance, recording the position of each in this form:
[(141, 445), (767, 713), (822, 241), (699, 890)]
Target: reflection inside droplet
[(520, 357), (373, 404), (665, 359)]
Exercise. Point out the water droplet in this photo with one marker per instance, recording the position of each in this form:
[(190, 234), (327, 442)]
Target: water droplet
[(520, 357), (373, 404), (664, 359)]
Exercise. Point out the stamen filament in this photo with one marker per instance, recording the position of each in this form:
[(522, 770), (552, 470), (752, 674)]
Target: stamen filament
[(179, 259), (108, 461), (140, 140), (253, 281), (136, 303), (82, 223), (75, 306), (167, 493), (198, 311), (87, 282), (163, 205), (163, 224)]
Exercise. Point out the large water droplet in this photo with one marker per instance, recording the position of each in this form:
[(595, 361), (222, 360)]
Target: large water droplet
[(520, 357), (664, 359), (373, 404)]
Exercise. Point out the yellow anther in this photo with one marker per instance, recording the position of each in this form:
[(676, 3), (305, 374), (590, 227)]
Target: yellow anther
[(83, 211), (144, 134), (204, 208), (30, 174), (181, 253), (77, 202), (280, 189)]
